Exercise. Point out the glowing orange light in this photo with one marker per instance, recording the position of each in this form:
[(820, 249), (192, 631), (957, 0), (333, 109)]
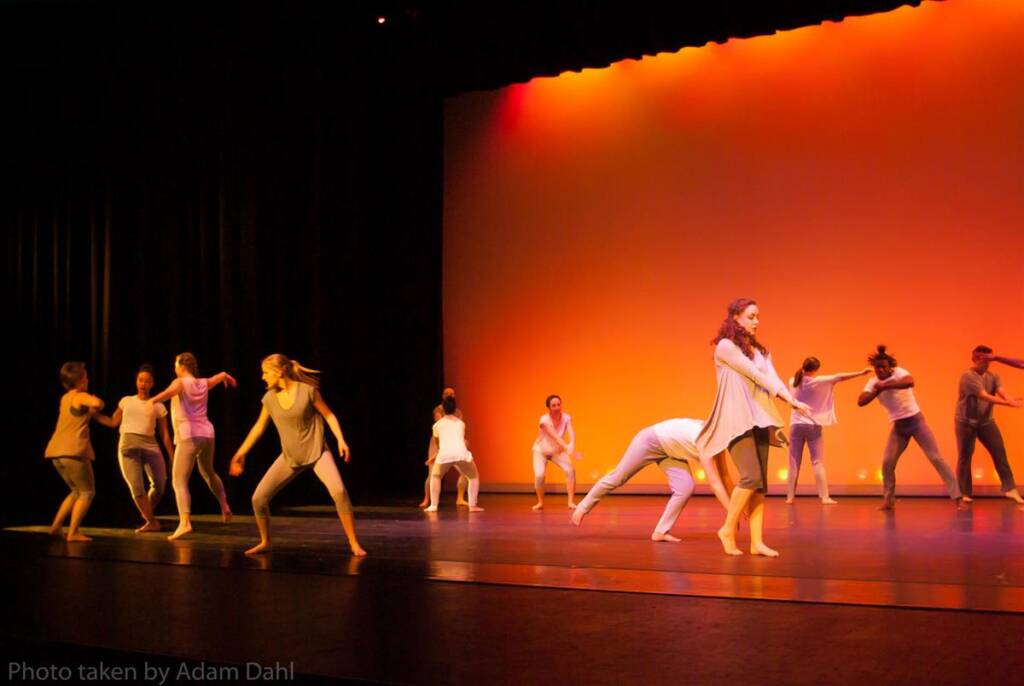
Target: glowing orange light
[(862, 474), (701, 474), (878, 475), (979, 473), (783, 474)]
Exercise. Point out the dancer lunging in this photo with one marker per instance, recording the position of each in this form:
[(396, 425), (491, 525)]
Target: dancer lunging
[(551, 446), (979, 392), (138, 452), (294, 403), (70, 451), (460, 499), (193, 437), (450, 432), (669, 444), (743, 419), (817, 391), (894, 388)]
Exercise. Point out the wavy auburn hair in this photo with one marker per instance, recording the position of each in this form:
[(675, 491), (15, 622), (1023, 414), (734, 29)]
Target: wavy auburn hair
[(731, 329)]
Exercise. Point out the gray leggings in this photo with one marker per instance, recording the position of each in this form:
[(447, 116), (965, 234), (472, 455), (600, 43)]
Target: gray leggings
[(138, 461), (644, 449), (77, 474), (281, 472), (187, 453), (899, 438), (990, 437), (749, 452)]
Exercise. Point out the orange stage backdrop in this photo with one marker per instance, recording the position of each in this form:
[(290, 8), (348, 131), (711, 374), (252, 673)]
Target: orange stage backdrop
[(864, 181)]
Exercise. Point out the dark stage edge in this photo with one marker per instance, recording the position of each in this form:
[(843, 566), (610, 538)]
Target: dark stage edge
[(440, 597)]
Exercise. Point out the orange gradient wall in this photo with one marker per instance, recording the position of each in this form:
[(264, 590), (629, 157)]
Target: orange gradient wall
[(864, 181)]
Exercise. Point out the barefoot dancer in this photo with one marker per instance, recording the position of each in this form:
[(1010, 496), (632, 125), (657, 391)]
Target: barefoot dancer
[(70, 451), (979, 392), (894, 388), (551, 446), (193, 437), (816, 390), (450, 433), (138, 452), (460, 499), (294, 403), (743, 419), (670, 445)]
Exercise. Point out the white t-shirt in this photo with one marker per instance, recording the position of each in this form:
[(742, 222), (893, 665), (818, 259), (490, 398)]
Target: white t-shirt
[(450, 433), (139, 416), (898, 402), (816, 391), (678, 437), (188, 410), (544, 444)]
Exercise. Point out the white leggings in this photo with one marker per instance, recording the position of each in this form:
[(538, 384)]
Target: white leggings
[(540, 463), (644, 449), (138, 461), (467, 469), (281, 472), (186, 454)]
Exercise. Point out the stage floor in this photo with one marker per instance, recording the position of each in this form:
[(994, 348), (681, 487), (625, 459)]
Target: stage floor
[(924, 570)]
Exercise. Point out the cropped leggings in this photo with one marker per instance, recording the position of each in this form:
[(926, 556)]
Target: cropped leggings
[(281, 472), (187, 453), (137, 462)]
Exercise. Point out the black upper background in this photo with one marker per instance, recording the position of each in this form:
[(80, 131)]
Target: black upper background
[(241, 178)]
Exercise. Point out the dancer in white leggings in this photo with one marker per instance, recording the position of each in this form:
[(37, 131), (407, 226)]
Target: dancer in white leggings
[(450, 434), (670, 445), (815, 389), (70, 450), (193, 437), (138, 452), (460, 489), (294, 403), (551, 446)]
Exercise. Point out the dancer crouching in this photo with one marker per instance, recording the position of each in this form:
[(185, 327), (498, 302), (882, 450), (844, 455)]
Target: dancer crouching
[(450, 434), (550, 445), (70, 450), (294, 403), (743, 418), (671, 445)]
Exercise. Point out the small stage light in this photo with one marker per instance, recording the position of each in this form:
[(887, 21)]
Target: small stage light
[(862, 474), (979, 473), (701, 475), (382, 20), (878, 474), (783, 474)]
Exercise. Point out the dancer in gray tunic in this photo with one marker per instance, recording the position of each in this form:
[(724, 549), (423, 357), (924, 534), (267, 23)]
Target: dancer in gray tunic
[(298, 411)]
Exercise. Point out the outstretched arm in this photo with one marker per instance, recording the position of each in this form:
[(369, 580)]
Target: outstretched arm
[(332, 422), (88, 401), (1000, 398), (169, 392), (238, 461), (221, 378), (731, 355), (1009, 361), (111, 422), (843, 376)]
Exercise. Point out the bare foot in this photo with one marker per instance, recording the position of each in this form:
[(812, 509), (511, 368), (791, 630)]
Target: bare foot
[(462, 503), (829, 501), (572, 506), (261, 547), (1014, 495), (789, 501), (577, 516), (357, 550), (538, 507), (887, 504), (431, 508), (967, 499), (762, 549), (226, 516), (475, 508), (148, 526), (180, 531), (78, 537), (664, 537), (425, 503), (728, 540), (961, 505), (57, 531)]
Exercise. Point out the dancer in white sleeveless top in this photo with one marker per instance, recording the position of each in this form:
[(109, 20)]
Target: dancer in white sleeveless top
[(556, 443)]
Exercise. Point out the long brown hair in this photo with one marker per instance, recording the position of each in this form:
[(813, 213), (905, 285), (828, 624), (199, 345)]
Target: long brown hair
[(291, 369), (810, 364), (737, 334)]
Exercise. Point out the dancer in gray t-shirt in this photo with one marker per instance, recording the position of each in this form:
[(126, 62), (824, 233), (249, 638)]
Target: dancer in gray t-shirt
[(294, 403)]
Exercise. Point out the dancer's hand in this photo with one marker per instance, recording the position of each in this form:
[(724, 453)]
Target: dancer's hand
[(230, 380), (237, 465), (867, 370), (344, 451), (801, 407), (1016, 402)]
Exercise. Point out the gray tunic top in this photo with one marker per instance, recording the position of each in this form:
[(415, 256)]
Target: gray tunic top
[(300, 427), (970, 409), (71, 437)]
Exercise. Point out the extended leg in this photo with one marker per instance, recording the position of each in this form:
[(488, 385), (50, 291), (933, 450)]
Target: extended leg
[(213, 481), (894, 447), (469, 471), (926, 439), (992, 439), (643, 449), (275, 478), (327, 471), (680, 481)]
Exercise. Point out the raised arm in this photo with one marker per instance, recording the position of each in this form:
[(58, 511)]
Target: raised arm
[(238, 461), (169, 392), (843, 376), (221, 378), (332, 422)]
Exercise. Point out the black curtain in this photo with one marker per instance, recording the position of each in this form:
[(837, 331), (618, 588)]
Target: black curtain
[(232, 179)]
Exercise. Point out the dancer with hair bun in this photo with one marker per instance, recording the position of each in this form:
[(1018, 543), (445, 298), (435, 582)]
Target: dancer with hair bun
[(193, 437), (744, 418), (138, 452), (463, 482), (70, 450), (293, 402), (450, 433), (894, 388), (815, 389)]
